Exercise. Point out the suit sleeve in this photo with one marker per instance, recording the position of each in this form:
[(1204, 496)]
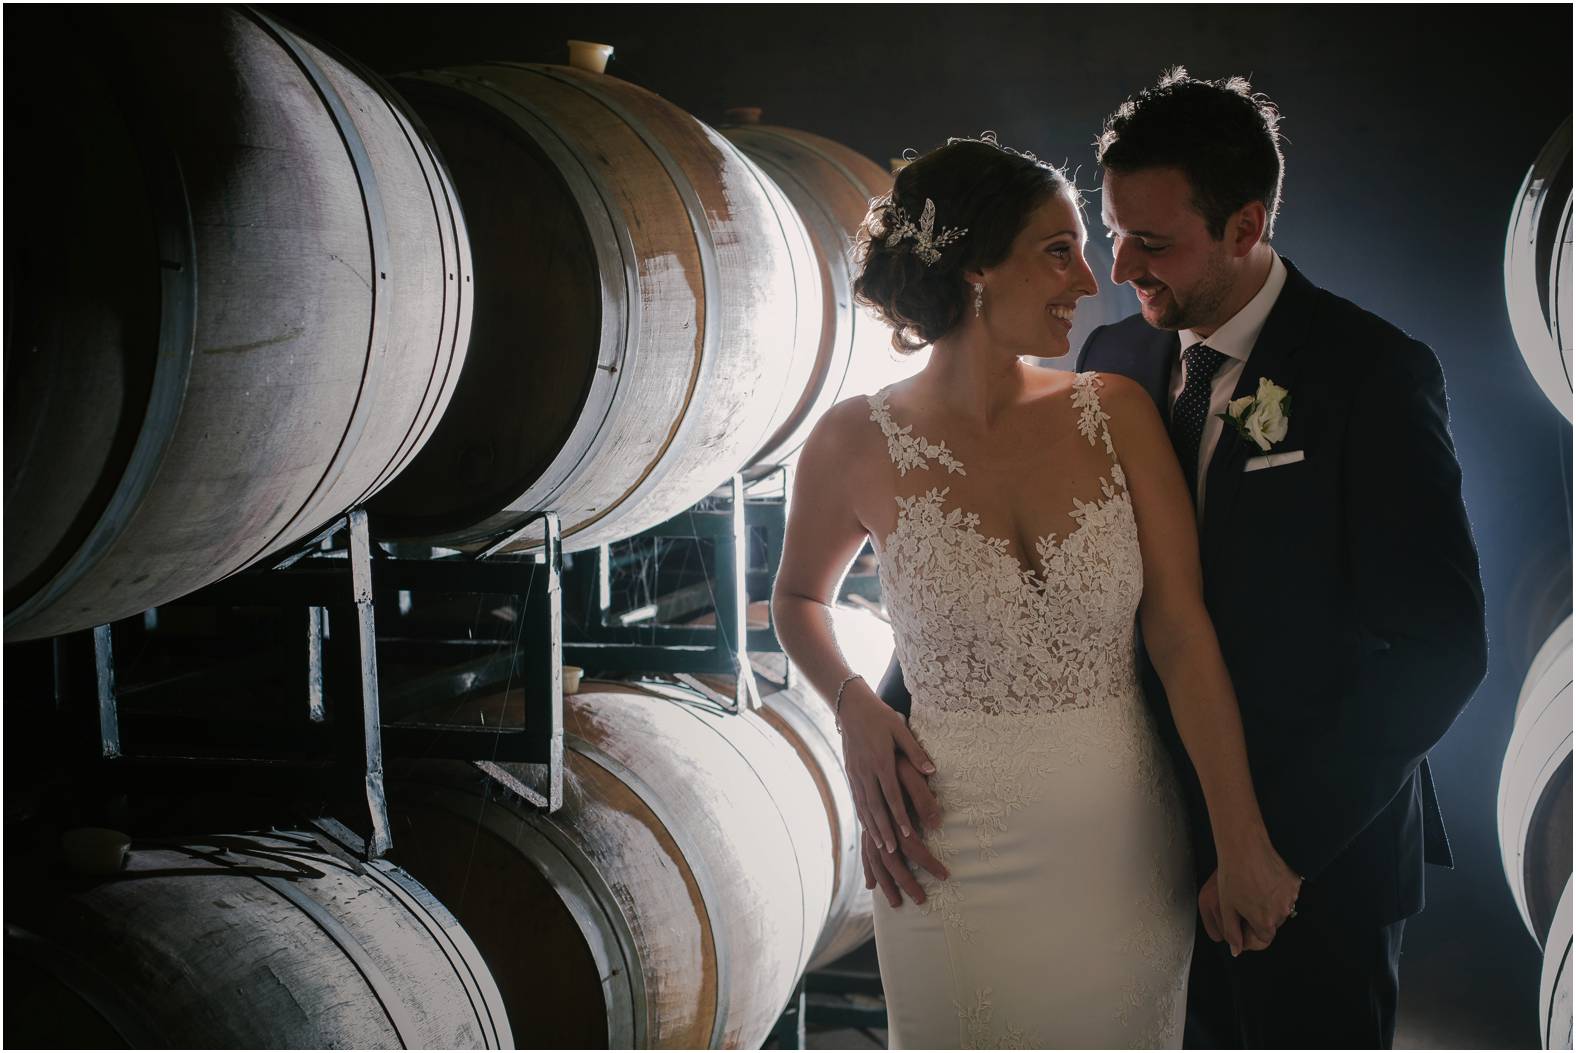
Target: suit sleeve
[(1088, 346), (893, 691), (1418, 607)]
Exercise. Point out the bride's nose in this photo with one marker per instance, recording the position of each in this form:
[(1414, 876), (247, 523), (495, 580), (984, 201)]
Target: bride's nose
[(1084, 281)]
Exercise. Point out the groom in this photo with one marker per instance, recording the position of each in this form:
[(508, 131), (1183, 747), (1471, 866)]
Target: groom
[(1339, 568)]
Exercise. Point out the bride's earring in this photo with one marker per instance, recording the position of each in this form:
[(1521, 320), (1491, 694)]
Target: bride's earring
[(979, 299)]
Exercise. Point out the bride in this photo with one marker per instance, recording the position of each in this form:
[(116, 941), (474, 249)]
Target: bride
[(1021, 516)]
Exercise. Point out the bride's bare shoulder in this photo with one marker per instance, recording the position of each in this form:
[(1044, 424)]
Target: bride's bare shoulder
[(854, 414), (1046, 384), (846, 434)]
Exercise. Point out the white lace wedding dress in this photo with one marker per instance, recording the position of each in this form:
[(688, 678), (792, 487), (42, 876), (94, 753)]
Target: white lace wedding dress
[(1068, 917)]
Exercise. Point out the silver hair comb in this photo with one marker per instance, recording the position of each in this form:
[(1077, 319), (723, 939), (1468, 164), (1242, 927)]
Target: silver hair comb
[(927, 243)]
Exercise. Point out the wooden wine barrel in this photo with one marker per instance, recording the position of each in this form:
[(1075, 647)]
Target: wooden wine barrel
[(1554, 990), (642, 290), (671, 902), (1538, 265), (1535, 788), (1554, 994), (238, 299), (245, 942), (831, 187), (805, 722)]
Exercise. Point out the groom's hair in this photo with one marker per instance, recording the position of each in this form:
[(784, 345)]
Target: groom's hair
[(1222, 135)]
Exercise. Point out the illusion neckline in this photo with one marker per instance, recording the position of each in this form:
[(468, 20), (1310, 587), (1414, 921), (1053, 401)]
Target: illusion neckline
[(968, 526), (910, 451)]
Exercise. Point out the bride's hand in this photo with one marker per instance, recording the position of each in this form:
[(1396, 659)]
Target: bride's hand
[(1256, 889), (1214, 927), (873, 735)]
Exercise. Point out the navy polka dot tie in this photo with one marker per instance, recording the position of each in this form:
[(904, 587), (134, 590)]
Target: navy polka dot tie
[(1199, 365)]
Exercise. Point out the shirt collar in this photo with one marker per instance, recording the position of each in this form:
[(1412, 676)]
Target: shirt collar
[(1236, 338)]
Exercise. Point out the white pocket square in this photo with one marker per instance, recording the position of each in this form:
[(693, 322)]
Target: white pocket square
[(1272, 460)]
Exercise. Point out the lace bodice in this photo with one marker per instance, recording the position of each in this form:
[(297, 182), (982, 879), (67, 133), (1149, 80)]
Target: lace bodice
[(974, 629)]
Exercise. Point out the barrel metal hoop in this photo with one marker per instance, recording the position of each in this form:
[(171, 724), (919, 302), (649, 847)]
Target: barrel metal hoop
[(456, 946), (620, 331), (1538, 902), (802, 726), (840, 260), (1549, 1022), (1531, 744), (809, 733), (849, 918), (839, 316), (464, 293), (178, 290), (805, 724), (783, 212), (381, 257), (382, 988), (723, 728), (632, 1014), (1556, 1024), (710, 899), (804, 145), (837, 265), (1528, 297), (706, 250), (581, 890), (435, 177)]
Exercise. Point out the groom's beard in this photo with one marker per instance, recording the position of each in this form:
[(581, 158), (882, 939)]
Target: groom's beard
[(1203, 302)]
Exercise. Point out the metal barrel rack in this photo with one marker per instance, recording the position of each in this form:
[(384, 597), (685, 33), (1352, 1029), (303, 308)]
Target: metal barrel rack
[(339, 720), (635, 641), (338, 713)]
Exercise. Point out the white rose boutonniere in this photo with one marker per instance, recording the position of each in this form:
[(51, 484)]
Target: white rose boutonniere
[(1261, 418)]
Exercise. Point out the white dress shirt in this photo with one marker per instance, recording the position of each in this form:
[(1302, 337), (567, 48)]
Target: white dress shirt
[(1235, 340)]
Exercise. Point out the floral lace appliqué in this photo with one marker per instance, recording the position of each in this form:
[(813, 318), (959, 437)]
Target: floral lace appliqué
[(978, 1032), (944, 897), (907, 450)]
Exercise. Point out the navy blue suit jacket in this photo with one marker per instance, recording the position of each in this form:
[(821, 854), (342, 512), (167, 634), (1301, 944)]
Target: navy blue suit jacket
[(1344, 589)]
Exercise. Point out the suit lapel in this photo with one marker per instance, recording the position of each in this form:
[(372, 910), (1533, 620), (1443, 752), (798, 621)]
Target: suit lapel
[(1273, 354)]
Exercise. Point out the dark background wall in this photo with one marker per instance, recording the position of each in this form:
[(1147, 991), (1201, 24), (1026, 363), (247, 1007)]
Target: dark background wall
[(1408, 131)]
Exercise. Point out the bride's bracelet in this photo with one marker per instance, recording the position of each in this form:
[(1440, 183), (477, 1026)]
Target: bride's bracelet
[(837, 704)]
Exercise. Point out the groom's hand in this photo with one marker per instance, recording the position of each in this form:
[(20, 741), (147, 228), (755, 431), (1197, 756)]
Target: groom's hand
[(922, 803), (890, 870)]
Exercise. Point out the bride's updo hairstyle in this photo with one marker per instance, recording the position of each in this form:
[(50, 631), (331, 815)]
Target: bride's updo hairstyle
[(911, 277)]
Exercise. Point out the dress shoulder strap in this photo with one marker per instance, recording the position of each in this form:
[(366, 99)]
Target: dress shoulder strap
[(906, 449), (1094, 423)]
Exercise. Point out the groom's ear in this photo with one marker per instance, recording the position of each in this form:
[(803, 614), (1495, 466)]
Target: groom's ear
[(1245, 229)]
